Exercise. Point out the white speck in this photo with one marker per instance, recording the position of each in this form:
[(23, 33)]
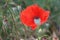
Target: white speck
[(21, 39), (36, 39), (4, 23), (47, 24), (40, 30), (13, 8), (37, 21), (19, 7)]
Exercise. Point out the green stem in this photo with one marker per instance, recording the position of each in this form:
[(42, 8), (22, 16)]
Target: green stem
[(14, 24)]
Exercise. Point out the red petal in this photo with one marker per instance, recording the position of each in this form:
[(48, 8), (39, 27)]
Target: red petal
[(44, 16), (27, 15)]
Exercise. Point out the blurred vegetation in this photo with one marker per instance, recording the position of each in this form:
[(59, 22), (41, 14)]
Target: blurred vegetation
[(12, 29)]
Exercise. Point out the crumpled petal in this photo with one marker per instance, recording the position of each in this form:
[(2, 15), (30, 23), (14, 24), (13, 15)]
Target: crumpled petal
[(27, 16)]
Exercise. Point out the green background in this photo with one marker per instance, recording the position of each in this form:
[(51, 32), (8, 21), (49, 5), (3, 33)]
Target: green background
[(11, 27)]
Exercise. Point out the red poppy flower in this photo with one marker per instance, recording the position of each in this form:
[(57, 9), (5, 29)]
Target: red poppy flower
[(32, 12)]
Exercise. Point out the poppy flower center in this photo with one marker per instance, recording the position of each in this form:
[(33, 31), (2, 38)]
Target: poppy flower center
[(37, 20)]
